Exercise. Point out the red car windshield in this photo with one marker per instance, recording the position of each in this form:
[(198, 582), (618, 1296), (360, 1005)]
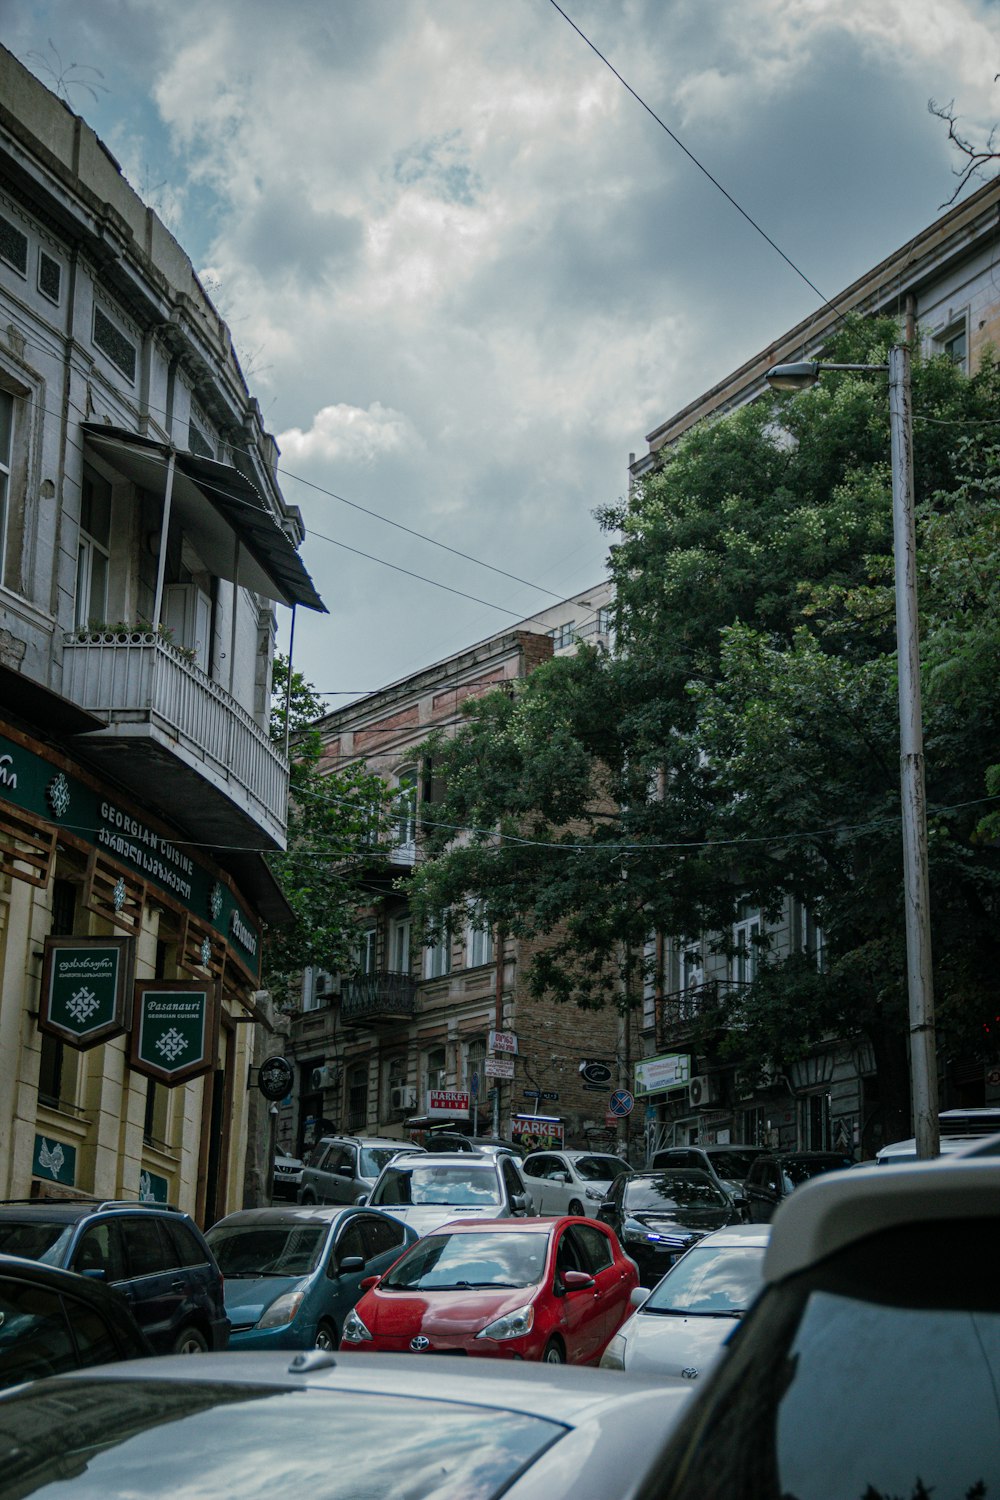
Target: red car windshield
[(449, 1261)]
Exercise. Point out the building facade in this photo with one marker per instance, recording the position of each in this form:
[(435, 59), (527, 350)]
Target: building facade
[(425, 1035), (942, 287), (144, 548)]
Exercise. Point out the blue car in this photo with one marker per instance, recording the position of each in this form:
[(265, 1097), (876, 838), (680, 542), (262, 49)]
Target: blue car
[(293, 1274)]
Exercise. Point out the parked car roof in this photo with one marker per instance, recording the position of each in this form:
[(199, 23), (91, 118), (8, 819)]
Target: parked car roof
[(827, 1213)]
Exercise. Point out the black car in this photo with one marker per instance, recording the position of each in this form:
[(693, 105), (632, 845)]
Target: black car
[(52, 1321), (772, 1178), (659, 1215), (155, 1256)]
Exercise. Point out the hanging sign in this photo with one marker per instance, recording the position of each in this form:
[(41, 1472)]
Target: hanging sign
[(85, 989), (442, 1104), (275, 1077), (502, 1041), (498, 1067), (174, 1030)]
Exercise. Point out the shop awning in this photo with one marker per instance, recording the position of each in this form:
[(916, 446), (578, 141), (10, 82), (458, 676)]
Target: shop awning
[(215, 503)]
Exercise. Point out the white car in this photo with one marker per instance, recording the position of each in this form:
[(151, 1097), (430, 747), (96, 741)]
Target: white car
[(571, 1182), (679, 1327), (428, 1190)]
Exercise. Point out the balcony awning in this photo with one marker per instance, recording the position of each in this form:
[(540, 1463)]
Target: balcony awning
[(268, 563)]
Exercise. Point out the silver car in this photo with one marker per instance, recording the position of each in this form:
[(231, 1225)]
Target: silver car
[(345, 1168), (571, 1182), (430, 1190), (679, 1327)]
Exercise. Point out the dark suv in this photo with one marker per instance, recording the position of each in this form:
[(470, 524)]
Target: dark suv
[(154, 1255), (345, 1168), (772, 1178)]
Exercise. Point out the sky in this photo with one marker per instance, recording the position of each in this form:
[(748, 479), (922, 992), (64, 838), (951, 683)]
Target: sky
[(467, 272)]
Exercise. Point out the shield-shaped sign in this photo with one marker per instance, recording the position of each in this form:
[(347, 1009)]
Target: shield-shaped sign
[(85, 989), (174, 1029)]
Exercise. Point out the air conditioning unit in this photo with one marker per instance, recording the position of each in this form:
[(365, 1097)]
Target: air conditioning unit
[(704, 1090), (326, 984), (325, 1077), (401, 1096)]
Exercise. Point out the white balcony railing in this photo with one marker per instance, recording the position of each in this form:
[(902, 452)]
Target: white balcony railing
[(130, 677)]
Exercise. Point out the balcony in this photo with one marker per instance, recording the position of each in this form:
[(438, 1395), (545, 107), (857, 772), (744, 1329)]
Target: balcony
[(176, 738), (374, 999), (693, 1012)]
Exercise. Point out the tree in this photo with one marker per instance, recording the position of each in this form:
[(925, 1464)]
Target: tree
[(333, 822), (742, 744)]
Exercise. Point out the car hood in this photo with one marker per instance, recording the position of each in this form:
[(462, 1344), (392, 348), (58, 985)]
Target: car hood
[(248, 1297), (700, 1219), (402, 1314), (424, 1217), (674, 1343)]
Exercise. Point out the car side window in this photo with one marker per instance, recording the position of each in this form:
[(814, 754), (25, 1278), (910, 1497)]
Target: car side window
[(351, 1242), (99, 1249), (540, 1166), (336, 1157), (567, 1252), (96, 1344), (595, 1250), (318, 1154), (382, 1235), (511, 1178), (34, 1336), (187, 1250), (146, 1250)]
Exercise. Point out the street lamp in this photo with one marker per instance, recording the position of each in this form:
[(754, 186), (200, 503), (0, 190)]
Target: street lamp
[(920, 987)]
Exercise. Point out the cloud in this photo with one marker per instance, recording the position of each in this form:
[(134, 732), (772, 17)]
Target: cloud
[(345, 435)]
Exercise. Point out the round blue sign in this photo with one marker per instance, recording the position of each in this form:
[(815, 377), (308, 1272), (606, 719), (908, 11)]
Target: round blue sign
[(621, 1102)]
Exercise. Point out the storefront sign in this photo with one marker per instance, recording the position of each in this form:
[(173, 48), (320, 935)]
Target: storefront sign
[(36, 785), (537, 1132), (498, 1067), (595, 1072), (443, 1104), (502, 1041), (86, 984), (655, 1075), (275, 1078), (173, 1030), (54, 1161)]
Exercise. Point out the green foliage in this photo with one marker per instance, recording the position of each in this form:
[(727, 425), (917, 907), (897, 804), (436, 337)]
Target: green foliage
[(333, 821), (742, 744)]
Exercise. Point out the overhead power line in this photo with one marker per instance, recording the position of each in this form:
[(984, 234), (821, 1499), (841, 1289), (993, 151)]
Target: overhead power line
[(700, 165)]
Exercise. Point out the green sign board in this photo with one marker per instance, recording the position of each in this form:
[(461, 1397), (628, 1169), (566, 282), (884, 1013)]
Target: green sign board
[(152, 1188), (174, 1028), (85, 986), (34, 784), (54, 1161)]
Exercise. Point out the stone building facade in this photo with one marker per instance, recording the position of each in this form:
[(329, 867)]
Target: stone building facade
[(144, 549)]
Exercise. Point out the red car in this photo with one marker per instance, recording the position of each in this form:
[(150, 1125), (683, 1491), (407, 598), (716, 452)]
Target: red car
[(544, 1289)]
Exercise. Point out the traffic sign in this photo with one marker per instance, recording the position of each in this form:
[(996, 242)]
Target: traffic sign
[(531, 1094), (474, 1085), (620, 1103)]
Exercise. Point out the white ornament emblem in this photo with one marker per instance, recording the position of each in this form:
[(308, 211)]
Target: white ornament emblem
[(51, 1161), (172, 1044), (57, 793), (82, 1005), (120, 893), (215, 901), (206, 953), (146, 1194)]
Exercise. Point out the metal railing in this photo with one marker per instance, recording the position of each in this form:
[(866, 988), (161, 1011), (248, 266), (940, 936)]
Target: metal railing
[(682, 1012), (381, 994), (136, 676)]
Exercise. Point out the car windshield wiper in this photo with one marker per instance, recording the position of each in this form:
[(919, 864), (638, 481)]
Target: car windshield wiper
[(693, 1312)]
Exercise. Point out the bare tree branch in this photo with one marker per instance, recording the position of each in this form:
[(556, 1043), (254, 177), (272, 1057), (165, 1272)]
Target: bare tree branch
[(977, 158)]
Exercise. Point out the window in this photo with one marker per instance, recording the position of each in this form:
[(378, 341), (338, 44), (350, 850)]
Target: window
[(405, 809), (435, 1069), (562, 635), (92, 552), (111, 341), (437, 951), (357, 1097), (395, 1082), (746, 935), (49, 276), (399, 945), (604, 620), (479, 939), (6, 465), (13, 246), (954, 342), (816, 1134), (368, 950), (813, 940), (475, 1057)]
